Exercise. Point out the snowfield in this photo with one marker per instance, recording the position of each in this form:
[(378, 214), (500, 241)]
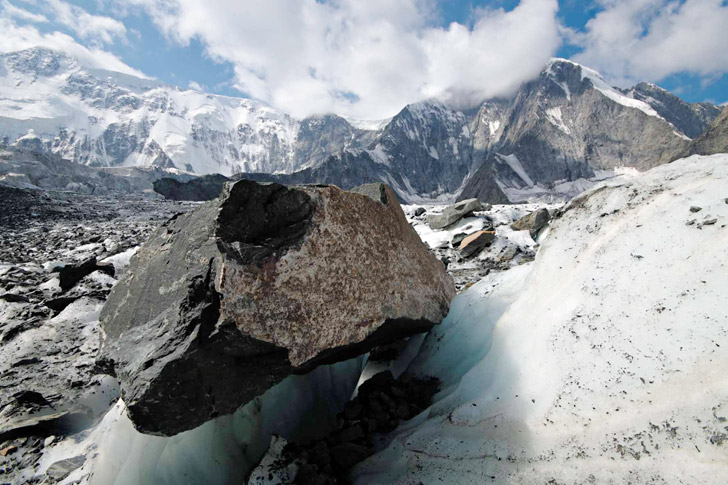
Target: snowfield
[(604, 361)]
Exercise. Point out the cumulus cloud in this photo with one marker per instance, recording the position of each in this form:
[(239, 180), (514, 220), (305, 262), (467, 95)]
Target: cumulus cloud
[(14, 37), (648, 40), (363, 59), (95, 28), (12, 11)]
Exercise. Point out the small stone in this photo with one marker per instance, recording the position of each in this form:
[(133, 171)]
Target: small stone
[(49, 441), (71, 274), (61, 469), (9, 450), (419, 211), (695, 208), (453, 213), (710, 222), (14, 298), (473, 244), (458, 238), (691, 222), (533, 222), (376, 382)]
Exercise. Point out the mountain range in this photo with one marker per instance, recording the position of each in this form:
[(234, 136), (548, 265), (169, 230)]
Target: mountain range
[(553, 138)]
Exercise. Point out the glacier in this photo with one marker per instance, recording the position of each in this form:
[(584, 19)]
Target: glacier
[(601, 362)]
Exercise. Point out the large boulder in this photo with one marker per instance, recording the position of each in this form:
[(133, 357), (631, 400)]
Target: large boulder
[(453, 213), (225, 301)]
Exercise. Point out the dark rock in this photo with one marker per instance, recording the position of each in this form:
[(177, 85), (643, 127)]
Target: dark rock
[(231, 298), (387, 352), (402, 410), (60, 423), (377, 192), (206, 187), (319, 454), (473, 244), (59, 304), (695, 209), (533, 222), (314, 459), (483, 185), (61, 469), (458, 238), (419, 211), (71, 274), (29, 400), (26, 361), (346, 455), (377, 382), (14, 298), (714, 140), (352, 433), (353, 410), (453, 213)]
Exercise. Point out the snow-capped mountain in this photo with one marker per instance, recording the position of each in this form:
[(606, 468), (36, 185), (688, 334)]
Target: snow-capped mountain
[(103, 118), (569, 125), (559, 131), (555, 138)]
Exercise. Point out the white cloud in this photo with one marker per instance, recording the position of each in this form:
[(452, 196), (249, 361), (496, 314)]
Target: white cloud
[(10, 10), (363, 59), (15, 37), (195, 86), (95, 28), (648, 40)]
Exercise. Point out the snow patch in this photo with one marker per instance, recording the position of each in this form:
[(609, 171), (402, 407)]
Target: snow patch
[(515, 164), (555, 118)]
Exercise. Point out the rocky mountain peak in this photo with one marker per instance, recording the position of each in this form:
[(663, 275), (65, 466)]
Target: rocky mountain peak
[(40, 61)]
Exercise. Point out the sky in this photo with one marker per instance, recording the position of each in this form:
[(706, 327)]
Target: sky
[(369, 58)]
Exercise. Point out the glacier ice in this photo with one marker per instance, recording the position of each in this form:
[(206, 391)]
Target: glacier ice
[(601, 362), (221, 451)]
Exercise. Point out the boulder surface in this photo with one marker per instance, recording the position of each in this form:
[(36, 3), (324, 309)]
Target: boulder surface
[(474, 243), (223, 302), (453, 213), (533, 222)]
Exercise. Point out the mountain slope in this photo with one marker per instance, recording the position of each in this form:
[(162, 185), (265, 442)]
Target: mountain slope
[(558, 131), (715, 139), (569, 124), (101, 118)]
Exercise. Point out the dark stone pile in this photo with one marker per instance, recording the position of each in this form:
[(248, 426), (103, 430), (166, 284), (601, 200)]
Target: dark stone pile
[(37, 226), (43, 376), (380, 405)]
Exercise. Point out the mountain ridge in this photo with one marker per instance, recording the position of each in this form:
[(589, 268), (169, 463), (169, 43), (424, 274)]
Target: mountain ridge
[(566, 126)]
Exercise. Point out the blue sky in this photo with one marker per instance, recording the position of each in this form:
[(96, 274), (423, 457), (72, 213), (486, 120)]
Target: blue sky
[(166, 43)]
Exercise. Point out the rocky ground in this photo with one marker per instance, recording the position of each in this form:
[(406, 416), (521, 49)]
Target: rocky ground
[(61, 253), (508, 248), (49, 305), (381, 403)]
